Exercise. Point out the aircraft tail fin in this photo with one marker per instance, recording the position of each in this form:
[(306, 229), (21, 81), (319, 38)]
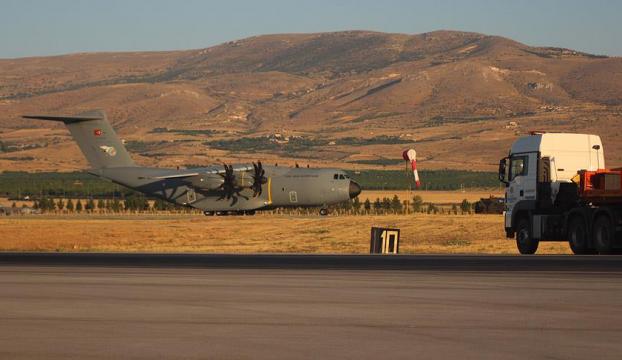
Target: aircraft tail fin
[(99, 143)]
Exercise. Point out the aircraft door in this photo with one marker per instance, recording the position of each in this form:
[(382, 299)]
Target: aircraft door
[(191, 196), (334, 184)]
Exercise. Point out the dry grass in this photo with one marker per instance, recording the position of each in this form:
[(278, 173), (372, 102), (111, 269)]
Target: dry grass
[(421, 233)]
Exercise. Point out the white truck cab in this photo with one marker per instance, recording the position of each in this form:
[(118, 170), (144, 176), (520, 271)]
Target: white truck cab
[(538, 168)]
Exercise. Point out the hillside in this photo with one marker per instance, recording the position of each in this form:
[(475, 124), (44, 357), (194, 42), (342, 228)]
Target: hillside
[(351, 99)]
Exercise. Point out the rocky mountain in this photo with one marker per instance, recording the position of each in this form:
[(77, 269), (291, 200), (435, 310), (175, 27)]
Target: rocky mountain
[(351, 99)]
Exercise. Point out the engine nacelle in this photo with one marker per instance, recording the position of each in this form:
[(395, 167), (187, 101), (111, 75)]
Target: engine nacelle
[(214, 181)]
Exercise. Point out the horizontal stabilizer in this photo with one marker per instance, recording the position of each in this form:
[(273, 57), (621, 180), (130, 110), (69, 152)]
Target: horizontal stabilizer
[(65, 119)]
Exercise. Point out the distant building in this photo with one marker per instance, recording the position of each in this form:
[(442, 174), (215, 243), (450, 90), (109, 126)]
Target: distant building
[(7, 211)]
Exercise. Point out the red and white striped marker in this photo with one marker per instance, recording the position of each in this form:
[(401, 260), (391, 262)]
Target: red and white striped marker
[(411, 155)]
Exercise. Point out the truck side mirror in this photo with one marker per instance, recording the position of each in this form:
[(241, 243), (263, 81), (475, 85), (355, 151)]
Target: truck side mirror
[(502, 170)]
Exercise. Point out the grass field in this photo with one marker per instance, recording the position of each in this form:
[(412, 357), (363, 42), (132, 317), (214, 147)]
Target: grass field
[(421, 233)]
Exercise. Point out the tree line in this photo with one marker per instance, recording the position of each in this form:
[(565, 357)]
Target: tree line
[(431, 179), (139, 203), (132, 203), (394, 205), (387, 206)]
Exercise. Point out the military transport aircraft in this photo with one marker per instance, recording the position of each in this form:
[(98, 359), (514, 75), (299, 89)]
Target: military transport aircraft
[(223, 190)]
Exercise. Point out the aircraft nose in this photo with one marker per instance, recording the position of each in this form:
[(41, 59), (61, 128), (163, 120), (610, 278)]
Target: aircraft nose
[(355, 189)]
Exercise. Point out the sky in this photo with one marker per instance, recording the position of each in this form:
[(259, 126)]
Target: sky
[(52, 27)]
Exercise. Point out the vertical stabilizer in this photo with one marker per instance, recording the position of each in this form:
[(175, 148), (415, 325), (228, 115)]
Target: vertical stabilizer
[(99, 143)]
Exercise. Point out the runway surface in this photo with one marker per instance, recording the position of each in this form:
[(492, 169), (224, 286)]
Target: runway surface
[(79, 310), (306, 261)]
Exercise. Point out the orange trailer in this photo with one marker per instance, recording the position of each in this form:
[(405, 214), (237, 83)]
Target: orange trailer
[(602, 186)]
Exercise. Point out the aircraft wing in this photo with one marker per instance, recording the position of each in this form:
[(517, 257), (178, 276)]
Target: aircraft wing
[(175, 176), (203, 171)]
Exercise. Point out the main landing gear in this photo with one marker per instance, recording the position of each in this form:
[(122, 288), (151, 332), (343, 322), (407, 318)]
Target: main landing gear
[(323, 212), (227, 213)]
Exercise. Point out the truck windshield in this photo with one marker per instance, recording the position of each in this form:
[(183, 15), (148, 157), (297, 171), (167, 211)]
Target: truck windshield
[(518, 166)]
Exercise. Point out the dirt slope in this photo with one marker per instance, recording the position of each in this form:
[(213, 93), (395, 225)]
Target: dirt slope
[(459, 98)]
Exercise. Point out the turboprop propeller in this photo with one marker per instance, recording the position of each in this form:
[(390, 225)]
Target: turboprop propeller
[(258, 179), (229, 186)]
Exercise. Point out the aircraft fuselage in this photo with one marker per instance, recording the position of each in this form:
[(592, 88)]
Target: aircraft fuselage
[(285, 187)]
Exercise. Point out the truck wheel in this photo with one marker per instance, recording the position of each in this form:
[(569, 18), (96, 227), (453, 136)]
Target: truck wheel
[(577, 237), (323, 212), (524, 242), (604, 234)]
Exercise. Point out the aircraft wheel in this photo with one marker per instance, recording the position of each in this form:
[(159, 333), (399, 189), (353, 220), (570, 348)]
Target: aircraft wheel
[(323, 212), (208, 213), (604, 235), (222, 213), (578, 237), (524, 242), (249, 212)]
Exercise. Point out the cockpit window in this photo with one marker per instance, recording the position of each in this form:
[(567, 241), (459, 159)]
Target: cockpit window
[(518, 166), (336, 176), (341, 177)]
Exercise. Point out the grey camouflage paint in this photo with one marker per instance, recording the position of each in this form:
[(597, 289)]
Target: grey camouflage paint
[(285, 187)]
